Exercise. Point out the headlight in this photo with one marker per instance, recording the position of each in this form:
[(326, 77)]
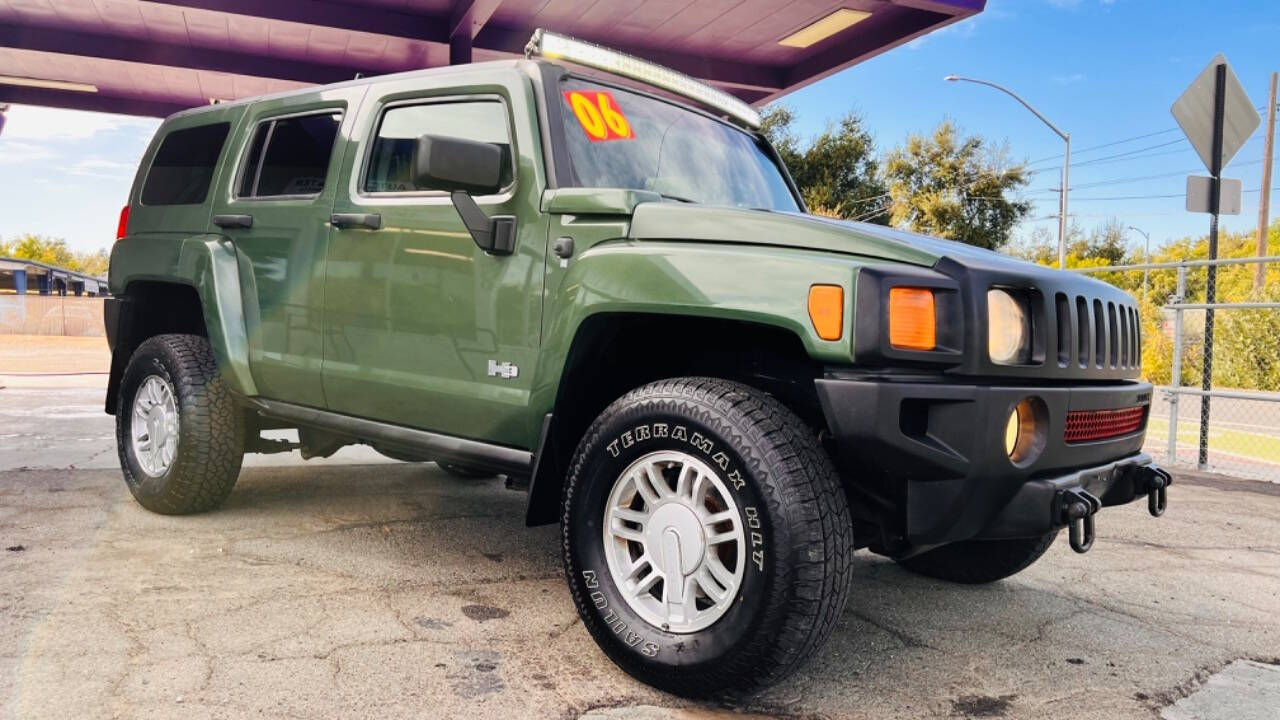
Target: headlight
[(1008, 329)]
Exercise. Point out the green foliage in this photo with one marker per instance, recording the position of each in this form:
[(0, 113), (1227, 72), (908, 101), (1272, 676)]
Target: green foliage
[(955, 187), (1246, 351), (838, 171), (54, 251)]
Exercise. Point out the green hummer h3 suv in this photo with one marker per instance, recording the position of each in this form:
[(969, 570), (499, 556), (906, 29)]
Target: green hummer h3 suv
[(601, 282)]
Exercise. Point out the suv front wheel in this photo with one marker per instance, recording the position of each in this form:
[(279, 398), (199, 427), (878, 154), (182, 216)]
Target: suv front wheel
[(178, 431), (707, 541)]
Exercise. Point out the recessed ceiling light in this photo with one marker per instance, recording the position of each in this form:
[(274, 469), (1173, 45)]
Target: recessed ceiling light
[(48, 84), (824, 28)]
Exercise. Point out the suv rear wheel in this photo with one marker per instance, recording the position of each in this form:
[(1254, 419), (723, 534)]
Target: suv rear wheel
[(707, 541), (179, 433), (975, 562)]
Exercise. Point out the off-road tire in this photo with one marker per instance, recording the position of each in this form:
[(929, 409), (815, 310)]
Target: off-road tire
[(792, 592), (974, 562), (210, 427)]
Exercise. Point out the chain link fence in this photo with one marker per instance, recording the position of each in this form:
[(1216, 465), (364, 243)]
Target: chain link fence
[(1242, 434), (51, 315)]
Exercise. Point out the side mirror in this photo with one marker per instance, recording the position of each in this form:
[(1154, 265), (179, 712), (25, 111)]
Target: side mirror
[(467, 167), (451, 163)]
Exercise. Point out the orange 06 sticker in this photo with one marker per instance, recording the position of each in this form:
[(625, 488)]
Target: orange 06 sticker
[(599, 115)]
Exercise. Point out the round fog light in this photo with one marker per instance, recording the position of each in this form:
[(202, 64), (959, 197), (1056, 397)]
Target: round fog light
[(1011, 432), (1024, 431)]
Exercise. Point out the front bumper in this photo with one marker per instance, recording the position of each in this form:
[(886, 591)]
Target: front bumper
[(935, 453)]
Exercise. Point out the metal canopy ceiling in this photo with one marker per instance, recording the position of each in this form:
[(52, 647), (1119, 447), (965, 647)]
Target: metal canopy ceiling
[(155, 57)]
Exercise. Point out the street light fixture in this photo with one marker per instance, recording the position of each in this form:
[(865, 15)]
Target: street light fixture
[(1066, 162), (1146, 260)]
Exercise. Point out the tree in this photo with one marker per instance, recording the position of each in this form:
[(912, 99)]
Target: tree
[(54, 251), (1106, 244), (838, 173), (955, 187)]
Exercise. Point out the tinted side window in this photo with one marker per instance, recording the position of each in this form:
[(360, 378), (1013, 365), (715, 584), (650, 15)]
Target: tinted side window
[(290, 156), (183, 166), (391, 158)]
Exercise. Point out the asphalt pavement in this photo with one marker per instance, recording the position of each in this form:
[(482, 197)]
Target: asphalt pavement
[(358, 587)]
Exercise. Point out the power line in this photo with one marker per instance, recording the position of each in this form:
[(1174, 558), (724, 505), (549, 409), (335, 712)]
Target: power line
[(1126, 158), (1106, 145), (1121, 181), (1122, 141), (1125, 197), (1128, 153)]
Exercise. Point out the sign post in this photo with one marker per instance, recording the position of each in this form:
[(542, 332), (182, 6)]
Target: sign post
[(1217, 117)]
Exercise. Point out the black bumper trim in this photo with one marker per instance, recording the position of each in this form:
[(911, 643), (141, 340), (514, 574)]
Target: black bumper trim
[(937, 448)]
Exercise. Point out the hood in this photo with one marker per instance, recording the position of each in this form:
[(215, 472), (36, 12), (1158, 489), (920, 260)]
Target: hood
[(680, 221)]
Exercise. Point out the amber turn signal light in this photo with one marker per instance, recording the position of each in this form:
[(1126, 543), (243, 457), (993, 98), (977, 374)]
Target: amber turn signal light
[(913, 324), (826, 310)]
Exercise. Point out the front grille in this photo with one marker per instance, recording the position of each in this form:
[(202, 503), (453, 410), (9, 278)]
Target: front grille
[(1089, 425), (1097, 334)]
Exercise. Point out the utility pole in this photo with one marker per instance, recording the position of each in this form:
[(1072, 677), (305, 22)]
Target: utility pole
[(1264, 202)]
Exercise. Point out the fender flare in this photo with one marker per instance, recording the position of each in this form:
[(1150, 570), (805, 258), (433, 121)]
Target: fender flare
[(209, 265), (666, 278)]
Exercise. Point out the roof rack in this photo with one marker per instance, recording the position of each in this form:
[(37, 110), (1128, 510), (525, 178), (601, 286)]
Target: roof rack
[(554, 46)]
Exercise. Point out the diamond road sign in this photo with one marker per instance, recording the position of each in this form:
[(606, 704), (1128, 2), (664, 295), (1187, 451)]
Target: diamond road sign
[(1194, 113)]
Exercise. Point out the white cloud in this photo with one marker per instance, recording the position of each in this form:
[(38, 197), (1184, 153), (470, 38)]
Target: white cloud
[(16, 152), (41, 123), (102, 167), (1071, 79)]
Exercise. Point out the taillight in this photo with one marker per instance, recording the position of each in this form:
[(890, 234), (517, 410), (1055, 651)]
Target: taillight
[(122, 228)]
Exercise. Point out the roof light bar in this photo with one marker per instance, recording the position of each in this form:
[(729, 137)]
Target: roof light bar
[(559, 47)]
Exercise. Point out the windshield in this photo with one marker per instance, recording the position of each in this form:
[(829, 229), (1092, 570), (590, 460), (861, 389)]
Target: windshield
[(621, 139)]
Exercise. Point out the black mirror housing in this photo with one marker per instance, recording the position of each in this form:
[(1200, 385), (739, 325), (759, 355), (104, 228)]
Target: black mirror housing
[(453, 164)]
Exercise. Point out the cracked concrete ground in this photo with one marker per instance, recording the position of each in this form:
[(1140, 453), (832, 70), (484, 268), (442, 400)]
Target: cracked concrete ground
[(394, 590)]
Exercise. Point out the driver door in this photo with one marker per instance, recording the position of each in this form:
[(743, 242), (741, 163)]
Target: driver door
[(416, 315)]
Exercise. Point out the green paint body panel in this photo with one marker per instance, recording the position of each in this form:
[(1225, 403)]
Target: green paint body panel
[(672, 221), (400, 324), (207, 263)]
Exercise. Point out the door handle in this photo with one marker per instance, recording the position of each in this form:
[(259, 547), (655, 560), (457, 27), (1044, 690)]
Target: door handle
[(233, 221), (369, 221)]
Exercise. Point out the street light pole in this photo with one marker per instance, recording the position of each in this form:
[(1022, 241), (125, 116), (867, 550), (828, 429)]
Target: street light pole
[(1066, 161), (1146, 260)]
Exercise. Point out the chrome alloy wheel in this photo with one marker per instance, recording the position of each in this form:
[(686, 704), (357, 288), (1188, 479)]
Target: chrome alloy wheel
[(155, 426), (674, 541)]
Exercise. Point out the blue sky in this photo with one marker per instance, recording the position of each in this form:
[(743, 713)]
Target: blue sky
[(1104, 70)]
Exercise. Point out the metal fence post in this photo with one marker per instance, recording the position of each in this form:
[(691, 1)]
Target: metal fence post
[(1175, 375)]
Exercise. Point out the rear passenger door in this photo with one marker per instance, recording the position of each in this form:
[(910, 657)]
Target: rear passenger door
[(275, 207), (417, 314)]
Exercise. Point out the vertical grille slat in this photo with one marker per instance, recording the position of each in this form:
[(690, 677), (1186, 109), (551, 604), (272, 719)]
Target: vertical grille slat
[(1082, 332), (1137, 340), (1099, 335), (1113, 335), (1124, 337), (1064, 329)]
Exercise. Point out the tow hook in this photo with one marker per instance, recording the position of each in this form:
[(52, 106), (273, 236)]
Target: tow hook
[(1154, 482), (1075, 508)]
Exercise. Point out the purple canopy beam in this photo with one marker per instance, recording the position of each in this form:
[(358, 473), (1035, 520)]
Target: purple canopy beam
[(157, 53)]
